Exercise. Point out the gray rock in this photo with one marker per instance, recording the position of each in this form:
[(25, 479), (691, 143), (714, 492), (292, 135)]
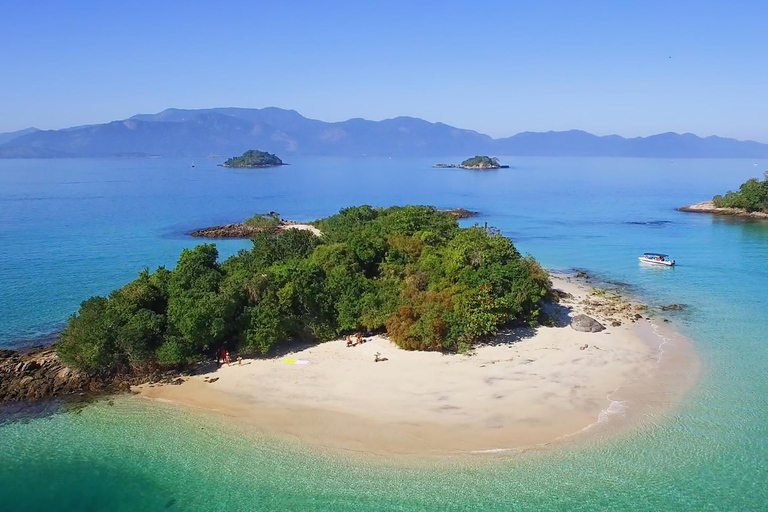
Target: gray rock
[(584, 323)]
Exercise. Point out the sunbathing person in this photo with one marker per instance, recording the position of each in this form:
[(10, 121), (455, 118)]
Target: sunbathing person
[(349, 341)]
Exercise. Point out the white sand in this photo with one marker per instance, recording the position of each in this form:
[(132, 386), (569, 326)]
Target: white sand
[(527, 389), (301, 227)]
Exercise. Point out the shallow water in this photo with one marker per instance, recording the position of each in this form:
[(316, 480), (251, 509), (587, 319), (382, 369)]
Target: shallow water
[(73, 228)]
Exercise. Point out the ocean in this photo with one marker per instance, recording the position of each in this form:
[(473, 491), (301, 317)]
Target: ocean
[(70, 229)]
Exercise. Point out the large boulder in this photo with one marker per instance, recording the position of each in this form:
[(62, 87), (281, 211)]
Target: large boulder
[(584, 323)]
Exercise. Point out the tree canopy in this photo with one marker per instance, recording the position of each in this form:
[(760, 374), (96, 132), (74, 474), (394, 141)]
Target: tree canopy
[(409, 271), (481, 162), (253, 158), (752, 196)]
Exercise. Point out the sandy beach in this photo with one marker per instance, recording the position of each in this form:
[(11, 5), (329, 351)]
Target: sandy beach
[(527, 388)]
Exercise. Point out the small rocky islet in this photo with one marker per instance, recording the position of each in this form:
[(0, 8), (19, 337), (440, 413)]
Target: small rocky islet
[(254, 159), (477, 163)]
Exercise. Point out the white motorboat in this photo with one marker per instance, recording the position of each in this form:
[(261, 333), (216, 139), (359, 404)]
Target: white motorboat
[(657, 259)]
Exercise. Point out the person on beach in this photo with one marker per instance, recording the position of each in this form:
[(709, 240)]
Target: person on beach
[(227, 359), (239, 361), (359, 339), (349, 341)]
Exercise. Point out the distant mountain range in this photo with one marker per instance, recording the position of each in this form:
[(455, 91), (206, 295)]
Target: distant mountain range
[(231, 131), (5, 137)]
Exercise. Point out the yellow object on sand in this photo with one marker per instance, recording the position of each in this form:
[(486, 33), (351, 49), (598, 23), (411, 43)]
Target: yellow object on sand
[(290, 361)]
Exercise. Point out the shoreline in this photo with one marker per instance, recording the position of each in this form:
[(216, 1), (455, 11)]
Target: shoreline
[(709, 207), (242, 230), (529, 389)]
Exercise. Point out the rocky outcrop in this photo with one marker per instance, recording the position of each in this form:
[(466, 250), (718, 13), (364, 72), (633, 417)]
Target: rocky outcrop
[(246, 231), (39, 374), (673, 307), (709, 207), (609, 306), (584, 323), (461, 213), (228, 231)]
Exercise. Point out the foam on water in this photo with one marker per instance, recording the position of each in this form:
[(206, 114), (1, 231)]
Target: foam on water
[(616, 407)]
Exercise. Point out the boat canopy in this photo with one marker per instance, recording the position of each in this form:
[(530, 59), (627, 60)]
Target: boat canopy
[(655, 254)]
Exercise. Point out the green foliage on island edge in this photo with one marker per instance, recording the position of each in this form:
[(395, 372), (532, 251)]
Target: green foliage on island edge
[(481, 162), (254, 158), (268, 222), (408, 270), (752, 196)]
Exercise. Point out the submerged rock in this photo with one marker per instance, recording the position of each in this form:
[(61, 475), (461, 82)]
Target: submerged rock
[(673, 307), (584, 323)]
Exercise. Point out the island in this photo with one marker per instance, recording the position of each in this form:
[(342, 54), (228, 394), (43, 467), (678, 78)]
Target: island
[(387, 330), (461, 213), (411, 272), (751, 201), (270, 223), (480, 163), (253, 159)]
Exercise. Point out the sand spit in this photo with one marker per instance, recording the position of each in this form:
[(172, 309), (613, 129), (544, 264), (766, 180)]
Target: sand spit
[(527, 388)]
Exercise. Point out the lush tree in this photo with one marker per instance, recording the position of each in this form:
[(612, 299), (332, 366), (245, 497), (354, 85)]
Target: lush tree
[(410, 271), (752, 196), (88, 341), (253, 158), (198, 313), (481, 162)]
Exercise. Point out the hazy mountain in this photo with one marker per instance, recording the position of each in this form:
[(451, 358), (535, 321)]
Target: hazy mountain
[(231, 131), (8, 136)]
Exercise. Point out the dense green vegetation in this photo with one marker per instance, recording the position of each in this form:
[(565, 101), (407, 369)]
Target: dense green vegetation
[(254, 158), (270, 221), (481, 162), (409, 270), (752, 196)]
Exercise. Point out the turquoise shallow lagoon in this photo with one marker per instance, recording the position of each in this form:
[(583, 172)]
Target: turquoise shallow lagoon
[(73, 228)]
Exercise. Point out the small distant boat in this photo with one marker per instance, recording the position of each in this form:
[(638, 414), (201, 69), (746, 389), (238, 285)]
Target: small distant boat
[(193, 164), (657, 259)]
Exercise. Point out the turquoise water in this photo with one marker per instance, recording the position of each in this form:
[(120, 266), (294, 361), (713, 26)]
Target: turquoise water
[(69, 229)]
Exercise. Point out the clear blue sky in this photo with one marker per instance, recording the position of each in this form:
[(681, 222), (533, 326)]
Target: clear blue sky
[(496, 67)]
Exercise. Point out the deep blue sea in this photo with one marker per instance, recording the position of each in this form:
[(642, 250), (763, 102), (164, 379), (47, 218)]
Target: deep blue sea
[(70, 229)]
